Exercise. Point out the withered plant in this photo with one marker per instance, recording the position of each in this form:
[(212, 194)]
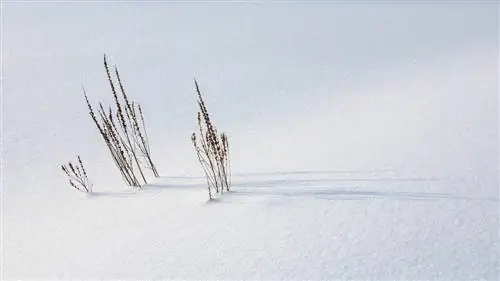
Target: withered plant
[(212, 151), (77, 176), (123, 130)]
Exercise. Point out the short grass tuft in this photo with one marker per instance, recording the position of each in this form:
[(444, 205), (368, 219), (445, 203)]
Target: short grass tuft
[(77, 176)]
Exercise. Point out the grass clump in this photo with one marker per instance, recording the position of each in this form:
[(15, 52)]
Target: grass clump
[(77, 176), (122, 127), (212, 151)]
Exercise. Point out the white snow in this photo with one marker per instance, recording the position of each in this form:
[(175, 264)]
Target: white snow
[(364, 141)]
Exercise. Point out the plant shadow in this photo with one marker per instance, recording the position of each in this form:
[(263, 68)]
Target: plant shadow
[(332, 187), (286, 173), (97, 194), (194, 185), (308, 184), (353, 194)]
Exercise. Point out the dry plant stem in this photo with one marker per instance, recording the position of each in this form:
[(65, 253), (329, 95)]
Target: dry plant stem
[(141, 141), (83, 169), (212, 150), (220, 161), (229, 164), (225, 157), (144, 142), (124, 151), (203, 164), (147, 149), (120, 159), (125, 137), (122, 118), (207, 140), (105, 136), (109, 137), (206, 137), (122, 133), (206, 168), (206, 163), (214, 147), (117, 150), (207, 153), (77, 176)]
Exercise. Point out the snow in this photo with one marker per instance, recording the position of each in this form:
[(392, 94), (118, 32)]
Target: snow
[(338, 225), (371, 153)]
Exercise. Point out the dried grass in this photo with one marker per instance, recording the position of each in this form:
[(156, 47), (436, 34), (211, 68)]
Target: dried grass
[(77, 176), (212, 151), (122, 127)]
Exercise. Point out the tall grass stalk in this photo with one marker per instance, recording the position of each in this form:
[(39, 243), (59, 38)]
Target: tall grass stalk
[(212, 150), (124, 135)]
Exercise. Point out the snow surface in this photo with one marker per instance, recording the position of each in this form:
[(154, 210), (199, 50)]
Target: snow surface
[(364, 141), (342, 225)]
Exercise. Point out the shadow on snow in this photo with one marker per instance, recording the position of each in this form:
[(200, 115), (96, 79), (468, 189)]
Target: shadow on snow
[(326, 188)]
